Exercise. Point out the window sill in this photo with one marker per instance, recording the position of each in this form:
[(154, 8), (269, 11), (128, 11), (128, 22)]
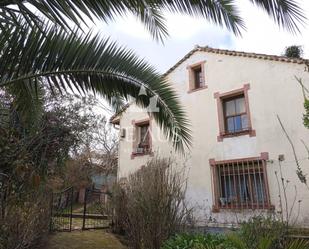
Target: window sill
[(243, 207), (249, 132), (197, 89), (138, 154)]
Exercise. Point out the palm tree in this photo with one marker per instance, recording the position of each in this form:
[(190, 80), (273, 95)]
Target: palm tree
[(38, 46)]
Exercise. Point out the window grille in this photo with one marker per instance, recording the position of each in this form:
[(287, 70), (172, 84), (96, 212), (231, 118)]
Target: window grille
[(240, 184)]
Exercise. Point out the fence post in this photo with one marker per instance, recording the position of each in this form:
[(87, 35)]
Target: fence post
[(71, 215), (51, 212), (85, 206)]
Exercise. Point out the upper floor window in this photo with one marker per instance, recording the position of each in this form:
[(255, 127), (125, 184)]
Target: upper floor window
[(141, 138), (196, 76), (233, 113), (143, 143)]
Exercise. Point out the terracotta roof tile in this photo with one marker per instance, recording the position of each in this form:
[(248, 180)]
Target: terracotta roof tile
[(237, 53)]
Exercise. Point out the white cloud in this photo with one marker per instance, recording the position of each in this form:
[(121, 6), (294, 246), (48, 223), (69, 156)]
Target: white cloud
[(262, 35)]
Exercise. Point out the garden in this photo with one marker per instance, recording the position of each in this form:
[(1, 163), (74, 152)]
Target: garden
[(151, 212)]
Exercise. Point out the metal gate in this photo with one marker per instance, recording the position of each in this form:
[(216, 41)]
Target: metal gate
[(68, 214), (96, 210), (61, 210)]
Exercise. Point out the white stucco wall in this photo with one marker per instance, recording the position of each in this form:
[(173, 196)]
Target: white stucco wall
[(273, 91)]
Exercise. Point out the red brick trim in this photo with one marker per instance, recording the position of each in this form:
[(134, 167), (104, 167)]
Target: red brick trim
[(197, 89), (138, 123), (191, 76), (263, 156), (220, 97)]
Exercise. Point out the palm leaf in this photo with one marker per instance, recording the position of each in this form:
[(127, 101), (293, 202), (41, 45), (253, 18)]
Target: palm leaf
[(286, 13), (79, 62), (298, 244), (149, 12)]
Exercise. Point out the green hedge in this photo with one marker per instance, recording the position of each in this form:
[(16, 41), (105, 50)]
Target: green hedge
[(194, 241)]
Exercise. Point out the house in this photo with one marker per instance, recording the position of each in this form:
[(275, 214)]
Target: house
[(233, 100)]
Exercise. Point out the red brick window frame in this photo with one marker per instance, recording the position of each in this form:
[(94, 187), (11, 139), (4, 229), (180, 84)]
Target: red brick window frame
[(222, 99), (196, 74), (142, 140), (240, 183)]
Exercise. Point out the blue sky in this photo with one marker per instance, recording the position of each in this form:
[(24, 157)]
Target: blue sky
[(262, 36)]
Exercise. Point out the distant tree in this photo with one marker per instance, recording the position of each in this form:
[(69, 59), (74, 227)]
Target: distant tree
[(293, 51), (44, 144)]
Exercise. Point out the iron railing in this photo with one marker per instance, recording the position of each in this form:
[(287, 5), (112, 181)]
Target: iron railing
[(241, 184)]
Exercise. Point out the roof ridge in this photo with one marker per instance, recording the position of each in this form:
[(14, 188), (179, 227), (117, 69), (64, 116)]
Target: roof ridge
[(279, 58), (196, 48)]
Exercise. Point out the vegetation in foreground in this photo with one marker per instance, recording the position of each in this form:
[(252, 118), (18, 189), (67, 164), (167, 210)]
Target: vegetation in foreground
[(151, 205), (258, 233), (150, 210)]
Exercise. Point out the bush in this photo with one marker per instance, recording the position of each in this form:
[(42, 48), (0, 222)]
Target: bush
[(151, 206), (119, 204), (25, 223), (258, 228), (293, 51), (195, 241)]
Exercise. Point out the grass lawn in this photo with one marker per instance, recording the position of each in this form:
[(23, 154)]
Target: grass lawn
[(91, 239)]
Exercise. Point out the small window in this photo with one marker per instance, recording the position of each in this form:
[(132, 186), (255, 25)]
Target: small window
[(196, 76), (235, 114), (241, 184), (143, 138)]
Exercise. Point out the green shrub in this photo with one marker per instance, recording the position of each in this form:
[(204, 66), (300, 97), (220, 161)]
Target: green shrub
[(258, 228), (294, 51), (195, 241)]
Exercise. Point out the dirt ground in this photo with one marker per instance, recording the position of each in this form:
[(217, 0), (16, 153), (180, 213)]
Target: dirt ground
[(91, 239)]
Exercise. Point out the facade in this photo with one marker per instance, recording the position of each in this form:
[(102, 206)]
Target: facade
[(233, 100)]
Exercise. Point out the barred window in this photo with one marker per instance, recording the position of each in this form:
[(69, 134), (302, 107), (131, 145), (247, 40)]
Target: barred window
[(240, 184)]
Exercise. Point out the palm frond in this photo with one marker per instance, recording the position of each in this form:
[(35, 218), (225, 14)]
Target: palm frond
[(220, 12), (27, 104), (83, 63), (298, 244), (286, 13), (149, 12), (63, 13)]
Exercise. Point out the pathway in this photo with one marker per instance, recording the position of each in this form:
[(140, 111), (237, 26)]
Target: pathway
[(91, 239)]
